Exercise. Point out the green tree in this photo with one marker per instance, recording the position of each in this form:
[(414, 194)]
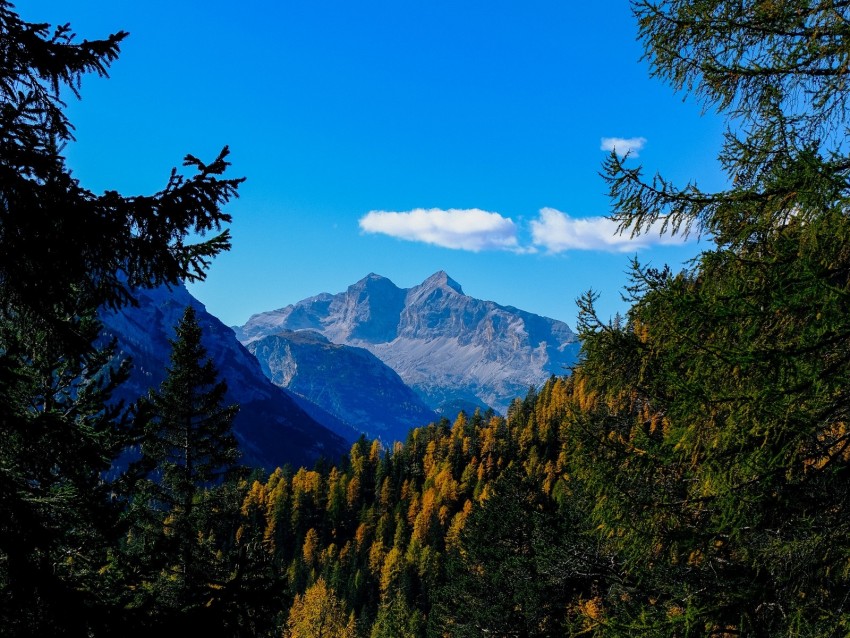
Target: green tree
[(396, 619), (64, 253), (519, 565), (711, 424), (187, 450), (56, 507), (65, 249), (188, 433)]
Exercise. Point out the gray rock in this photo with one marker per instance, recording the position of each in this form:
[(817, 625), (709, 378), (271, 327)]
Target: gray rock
[(348, 382), (449, 347)]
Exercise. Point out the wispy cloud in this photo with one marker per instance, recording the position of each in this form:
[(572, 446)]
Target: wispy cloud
[(622, 145), (468, 229), (557, 232)]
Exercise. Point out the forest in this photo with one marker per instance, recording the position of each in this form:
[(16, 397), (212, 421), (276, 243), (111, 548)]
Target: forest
[(689, 477)]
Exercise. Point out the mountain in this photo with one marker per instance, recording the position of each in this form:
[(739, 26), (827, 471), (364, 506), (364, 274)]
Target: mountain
[(350, 383), (452, 349), (271, 428)]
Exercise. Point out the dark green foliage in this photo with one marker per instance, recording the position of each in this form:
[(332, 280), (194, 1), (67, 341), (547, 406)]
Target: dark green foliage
[(54, 266), (723, 467), (188, 440), (183, 514), (714, 431), (518, 567), (397, 620), (64, 253), (59, 434)]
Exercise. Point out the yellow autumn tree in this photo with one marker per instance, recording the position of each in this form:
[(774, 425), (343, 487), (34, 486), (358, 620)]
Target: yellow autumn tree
[(318, 613)]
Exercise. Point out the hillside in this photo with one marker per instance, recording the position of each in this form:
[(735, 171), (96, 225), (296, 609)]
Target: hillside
[(271, 428), (351, 383)]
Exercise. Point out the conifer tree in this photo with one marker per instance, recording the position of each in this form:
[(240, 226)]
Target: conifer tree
[(517, 569), (65, 252), (711, 425), (187, 444), (396, 619), (56, 508), (318, 613)]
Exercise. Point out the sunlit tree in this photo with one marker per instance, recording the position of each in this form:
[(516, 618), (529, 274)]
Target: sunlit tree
[(318, 613)]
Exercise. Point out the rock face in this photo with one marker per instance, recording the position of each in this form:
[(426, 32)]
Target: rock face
[(271, 428), (452, 349), (350, 383)]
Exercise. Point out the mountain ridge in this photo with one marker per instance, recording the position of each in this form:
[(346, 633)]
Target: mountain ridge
[(443, 343), (271, 427), (348, 382)]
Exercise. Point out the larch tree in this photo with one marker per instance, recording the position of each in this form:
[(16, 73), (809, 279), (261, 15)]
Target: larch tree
[(318, 613), (711, 424)]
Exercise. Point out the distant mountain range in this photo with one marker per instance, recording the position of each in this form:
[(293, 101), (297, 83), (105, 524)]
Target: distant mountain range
[(375, 360), (350, 383), (453, 350), (271, 427)]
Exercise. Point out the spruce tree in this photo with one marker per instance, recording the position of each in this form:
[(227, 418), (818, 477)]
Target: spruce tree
[(66, 252), (60, 432), (188, 451), (188, 443)]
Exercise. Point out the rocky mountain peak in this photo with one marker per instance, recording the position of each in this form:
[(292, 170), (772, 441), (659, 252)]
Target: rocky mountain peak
[(369, 310), (373, 281), (444, 344), (440, 279)]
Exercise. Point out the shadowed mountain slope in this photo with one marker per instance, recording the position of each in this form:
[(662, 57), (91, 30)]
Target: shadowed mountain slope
[(349, 382), (271, 428)]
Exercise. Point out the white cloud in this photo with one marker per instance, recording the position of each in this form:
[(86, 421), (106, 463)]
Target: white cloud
[(556, 232), (622, 145), (476, 230), (471, 229)]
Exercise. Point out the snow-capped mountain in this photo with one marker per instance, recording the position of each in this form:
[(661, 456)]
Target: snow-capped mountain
[(349, 382), (452, 349), (271, 428)]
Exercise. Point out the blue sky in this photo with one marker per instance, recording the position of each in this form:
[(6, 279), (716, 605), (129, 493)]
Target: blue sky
[(399, 138)]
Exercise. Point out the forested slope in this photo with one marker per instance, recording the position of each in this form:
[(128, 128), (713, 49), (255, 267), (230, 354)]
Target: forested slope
[(689, 478)]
